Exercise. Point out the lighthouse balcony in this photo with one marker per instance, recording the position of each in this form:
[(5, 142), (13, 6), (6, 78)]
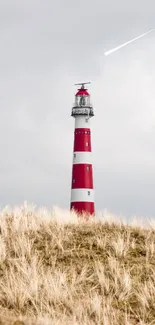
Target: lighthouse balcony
[(85, 111)]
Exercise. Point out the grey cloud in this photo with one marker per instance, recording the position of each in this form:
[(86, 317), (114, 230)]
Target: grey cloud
[(45, 48)]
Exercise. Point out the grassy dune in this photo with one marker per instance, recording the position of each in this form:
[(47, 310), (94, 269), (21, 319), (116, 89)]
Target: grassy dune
[(56, 269)]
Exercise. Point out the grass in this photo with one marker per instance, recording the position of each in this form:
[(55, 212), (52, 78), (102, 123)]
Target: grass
[(56, 269)]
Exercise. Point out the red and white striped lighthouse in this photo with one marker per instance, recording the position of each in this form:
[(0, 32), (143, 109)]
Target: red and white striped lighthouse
[(82, 189)]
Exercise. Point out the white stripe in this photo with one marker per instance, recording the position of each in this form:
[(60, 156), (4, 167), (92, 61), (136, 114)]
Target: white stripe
[(82, 157), (82, 195), (82, 122)]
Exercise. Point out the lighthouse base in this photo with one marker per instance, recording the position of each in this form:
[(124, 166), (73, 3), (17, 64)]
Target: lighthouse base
[(83, 208)]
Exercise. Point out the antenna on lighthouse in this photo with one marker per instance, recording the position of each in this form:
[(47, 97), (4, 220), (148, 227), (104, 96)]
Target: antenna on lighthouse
[(82, 84)]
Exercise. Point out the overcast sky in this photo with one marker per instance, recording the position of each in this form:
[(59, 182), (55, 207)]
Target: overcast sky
[(46, 47)]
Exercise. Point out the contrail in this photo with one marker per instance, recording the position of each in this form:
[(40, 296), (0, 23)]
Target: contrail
[(119, 47)]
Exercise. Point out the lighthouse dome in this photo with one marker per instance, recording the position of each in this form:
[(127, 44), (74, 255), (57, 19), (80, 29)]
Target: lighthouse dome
[(82, 92)]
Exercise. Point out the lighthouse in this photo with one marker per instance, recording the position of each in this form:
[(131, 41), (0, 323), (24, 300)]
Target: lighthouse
[(82, 188)]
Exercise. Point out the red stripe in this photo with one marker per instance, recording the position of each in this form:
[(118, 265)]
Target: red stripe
[(82, 176), (83, 130), (81, 207), (82, 139)]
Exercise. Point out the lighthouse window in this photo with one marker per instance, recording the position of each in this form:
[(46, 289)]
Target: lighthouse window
[(73, 180), (88, 192), (86, 144), (74, 155), (87, 167), (85, 132)]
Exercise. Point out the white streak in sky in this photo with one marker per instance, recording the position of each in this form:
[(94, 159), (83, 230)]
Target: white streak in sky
[(119, 47)]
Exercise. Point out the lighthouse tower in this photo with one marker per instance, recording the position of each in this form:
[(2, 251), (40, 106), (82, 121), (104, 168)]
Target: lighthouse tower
[(82, 189)]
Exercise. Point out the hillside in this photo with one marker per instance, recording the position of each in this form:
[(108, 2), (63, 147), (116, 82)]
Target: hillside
[(74, 272)]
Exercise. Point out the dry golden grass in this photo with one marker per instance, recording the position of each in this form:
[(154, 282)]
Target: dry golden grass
[(56, 269)]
